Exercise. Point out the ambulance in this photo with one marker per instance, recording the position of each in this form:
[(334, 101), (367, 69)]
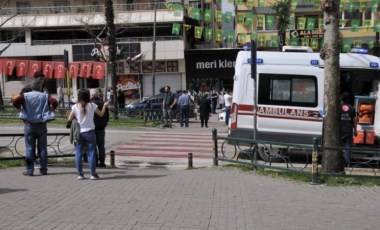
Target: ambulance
[(290, 96)]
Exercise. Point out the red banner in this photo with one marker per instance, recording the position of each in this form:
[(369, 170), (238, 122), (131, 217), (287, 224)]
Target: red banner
[(59, 70), (73, 69), (85, 69), (98, 70), (21, 67), (48, 67), (1, 65), (34, 66), (8, 67)]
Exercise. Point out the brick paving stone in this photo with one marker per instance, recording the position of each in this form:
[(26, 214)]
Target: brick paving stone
[(207, 198)]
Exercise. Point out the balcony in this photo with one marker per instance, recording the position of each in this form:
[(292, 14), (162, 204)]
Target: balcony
[(79, 9)]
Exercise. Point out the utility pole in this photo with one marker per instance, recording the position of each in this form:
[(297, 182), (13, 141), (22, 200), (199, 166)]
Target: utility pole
[(154, 50)]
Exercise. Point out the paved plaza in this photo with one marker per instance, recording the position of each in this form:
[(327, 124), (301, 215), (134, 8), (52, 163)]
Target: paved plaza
[(203, 198)]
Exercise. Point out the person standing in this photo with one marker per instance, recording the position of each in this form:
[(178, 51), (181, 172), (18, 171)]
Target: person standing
[(100, 126), (214, 101), (61, 101), (204, 103), (228, 103), (36, 110), (184, 106), (167, 105), (84, 112), (348, 126), (121, 100)]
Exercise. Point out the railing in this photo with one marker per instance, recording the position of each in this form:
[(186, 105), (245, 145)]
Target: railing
[(79, 9), (12, 146), (288, 156), (118, 40)]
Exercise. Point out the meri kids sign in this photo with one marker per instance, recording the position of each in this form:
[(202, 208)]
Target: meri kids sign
[(129, 85)]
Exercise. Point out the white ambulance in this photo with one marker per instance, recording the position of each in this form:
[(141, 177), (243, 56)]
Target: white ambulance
[(290, 94)]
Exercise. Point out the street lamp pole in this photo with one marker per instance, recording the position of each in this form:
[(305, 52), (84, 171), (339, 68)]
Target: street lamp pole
[(154, 50)]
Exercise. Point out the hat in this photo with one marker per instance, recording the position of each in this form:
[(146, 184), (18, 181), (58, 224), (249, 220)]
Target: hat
[(94, 93)]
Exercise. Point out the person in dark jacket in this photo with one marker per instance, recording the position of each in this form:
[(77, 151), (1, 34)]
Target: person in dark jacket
[(100, 126), (347, 126), (204, 102)]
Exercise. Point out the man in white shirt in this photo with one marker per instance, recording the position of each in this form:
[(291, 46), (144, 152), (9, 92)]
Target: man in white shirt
[(228, 103)]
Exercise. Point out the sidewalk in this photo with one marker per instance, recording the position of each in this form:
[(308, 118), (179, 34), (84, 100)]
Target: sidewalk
[(208, 198)]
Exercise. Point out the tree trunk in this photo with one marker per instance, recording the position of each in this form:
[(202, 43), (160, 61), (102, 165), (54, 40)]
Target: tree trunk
[(112, 48), (1, 99), (332, 160)]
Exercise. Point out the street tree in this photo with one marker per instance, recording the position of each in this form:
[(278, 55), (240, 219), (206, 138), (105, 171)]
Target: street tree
[(332, 161), (282, 9), (12, 35)]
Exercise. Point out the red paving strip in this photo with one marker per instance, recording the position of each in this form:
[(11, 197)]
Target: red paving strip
[(164, 150), (175, 144), (179, 138), (161, 155)]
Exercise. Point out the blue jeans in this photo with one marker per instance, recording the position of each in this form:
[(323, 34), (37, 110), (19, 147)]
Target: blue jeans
[(87, 139), (347, 143), (100, 142), (35, 132), (228, 111), (185, 109)]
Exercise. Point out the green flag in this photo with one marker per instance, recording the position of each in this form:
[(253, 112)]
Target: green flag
[(260, 20), (261, 3), (355, 25), (249, 2), (292, 22), (320, 23), (353, 6), (207, 15), (228, 17), (208, 34), (366, 24), (198, 32), (358, 43), (376, 26), (346, 45), (314, 43), (294, 41), (196, 14), (219, 35), (218, 16), (248, 19), (261, 40), (177, 9), (375, 5), (238, 2), (362, 6), (240, 18), (371, 44), (241, 38), (310, 23), (269, 21), (317, 5), (176, 28), (230, 36), (305, 41), (293, 4), (273, 42), (301, 23)]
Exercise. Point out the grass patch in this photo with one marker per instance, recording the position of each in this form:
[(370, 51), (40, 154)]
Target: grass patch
[(306, 177), (11, 163)]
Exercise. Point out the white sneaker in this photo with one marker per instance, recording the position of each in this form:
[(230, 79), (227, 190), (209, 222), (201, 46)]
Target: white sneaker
[(80, 177), (94, 176)]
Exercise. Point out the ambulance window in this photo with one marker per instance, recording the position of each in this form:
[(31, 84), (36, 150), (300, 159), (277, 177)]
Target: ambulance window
[(278, 89)]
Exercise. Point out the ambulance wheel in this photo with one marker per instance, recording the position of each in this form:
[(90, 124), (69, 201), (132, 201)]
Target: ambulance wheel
[(272, 154)]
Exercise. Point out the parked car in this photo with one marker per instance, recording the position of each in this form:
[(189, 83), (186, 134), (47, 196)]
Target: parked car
[(155, 102)]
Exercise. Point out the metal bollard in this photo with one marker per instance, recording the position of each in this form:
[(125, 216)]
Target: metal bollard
[(314, 163), (190, 160), (112, 158)]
